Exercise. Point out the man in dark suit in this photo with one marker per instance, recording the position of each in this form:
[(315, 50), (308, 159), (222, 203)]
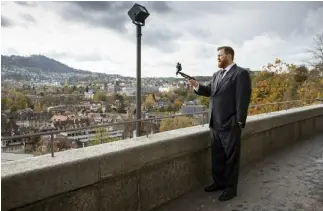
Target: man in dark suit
[(229, 92)]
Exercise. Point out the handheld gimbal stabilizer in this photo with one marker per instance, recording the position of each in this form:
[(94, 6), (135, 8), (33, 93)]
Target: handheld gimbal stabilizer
[(179, 69)]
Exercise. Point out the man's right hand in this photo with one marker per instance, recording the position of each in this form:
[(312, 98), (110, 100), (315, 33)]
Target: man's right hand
[(193, 83)]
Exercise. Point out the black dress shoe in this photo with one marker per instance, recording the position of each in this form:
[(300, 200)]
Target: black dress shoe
[(213, 188), (227, 195)]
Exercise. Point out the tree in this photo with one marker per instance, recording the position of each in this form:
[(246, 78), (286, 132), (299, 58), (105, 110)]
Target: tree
[(176, 123), (278, 66), (190, 97), (171, 96), (37, 107), (181, 92), (65, 84), (21, 100), (149, 102), (178, 104), (6, 103), (311, 89), (280, 81), (100, 96), (16, 101), (204, 101), (300, 74), (170, 107), (317, 52), (120, 103), (101, 136)]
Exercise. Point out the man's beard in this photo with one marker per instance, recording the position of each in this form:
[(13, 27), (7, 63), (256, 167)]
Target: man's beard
[(222, 64)]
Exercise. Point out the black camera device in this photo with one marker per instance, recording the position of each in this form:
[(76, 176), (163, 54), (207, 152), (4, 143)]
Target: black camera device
[(179, 69)]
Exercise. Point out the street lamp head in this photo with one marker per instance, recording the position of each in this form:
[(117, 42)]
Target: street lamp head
[(138, 14)]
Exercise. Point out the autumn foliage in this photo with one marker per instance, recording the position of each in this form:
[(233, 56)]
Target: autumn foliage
[(281, 82), (175, 123)]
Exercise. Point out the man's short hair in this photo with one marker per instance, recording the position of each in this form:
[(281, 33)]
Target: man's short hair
[(227, 50)]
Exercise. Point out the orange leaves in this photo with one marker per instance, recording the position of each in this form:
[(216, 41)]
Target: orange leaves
[(283, 82), (178, 103)]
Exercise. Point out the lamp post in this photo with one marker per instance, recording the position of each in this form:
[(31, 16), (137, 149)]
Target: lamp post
[(138, 15)]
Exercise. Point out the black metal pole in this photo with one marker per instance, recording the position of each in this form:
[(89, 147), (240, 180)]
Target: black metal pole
[(138, 99), (52, 144)]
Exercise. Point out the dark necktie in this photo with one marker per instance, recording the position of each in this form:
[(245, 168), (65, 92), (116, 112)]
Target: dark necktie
[(222, 73), (221, 76)]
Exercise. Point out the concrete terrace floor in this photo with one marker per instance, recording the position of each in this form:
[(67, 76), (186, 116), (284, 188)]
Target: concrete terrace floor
[(290, 180)]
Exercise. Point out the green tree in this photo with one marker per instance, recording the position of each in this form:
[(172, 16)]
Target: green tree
[(176, 123), (6, 103), (101, 137), (204, 101), (100, 96), (16, 101)]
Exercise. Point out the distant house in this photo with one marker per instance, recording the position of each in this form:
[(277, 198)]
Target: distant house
[(28, 118), (10, 128), (191, 109), (147, 127), (89, 95), (59, 118)]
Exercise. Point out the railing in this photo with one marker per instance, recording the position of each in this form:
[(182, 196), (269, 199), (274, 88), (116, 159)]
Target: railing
[(287, 105)]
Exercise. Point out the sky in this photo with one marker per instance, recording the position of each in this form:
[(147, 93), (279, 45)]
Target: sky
[(100, 37)]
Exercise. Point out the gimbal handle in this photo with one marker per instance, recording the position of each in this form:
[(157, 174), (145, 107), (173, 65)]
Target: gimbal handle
[(179, 69), (187, 76)]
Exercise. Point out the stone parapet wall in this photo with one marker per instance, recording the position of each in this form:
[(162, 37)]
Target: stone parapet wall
[(142, 173)]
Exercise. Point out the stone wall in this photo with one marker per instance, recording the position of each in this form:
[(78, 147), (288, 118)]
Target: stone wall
[(145, 172)]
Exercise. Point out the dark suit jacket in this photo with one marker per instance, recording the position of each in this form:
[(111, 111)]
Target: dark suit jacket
[(229, 101)]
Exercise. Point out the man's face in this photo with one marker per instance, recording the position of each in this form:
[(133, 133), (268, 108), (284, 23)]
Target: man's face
[(223, 59)]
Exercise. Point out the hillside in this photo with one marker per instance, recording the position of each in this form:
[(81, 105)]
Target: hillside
[(37, 62), (39, 68)]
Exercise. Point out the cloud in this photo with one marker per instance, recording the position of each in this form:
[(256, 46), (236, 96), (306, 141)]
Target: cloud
[(106, 14), (162, 38), (90, 56), (117, 6), (26, 3), (95, 14), (5, 22), (99, 36), (113, 15), (239, 21), (28, 18)]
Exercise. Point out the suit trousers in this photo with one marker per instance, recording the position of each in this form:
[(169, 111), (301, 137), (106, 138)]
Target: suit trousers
[(225, 150)]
